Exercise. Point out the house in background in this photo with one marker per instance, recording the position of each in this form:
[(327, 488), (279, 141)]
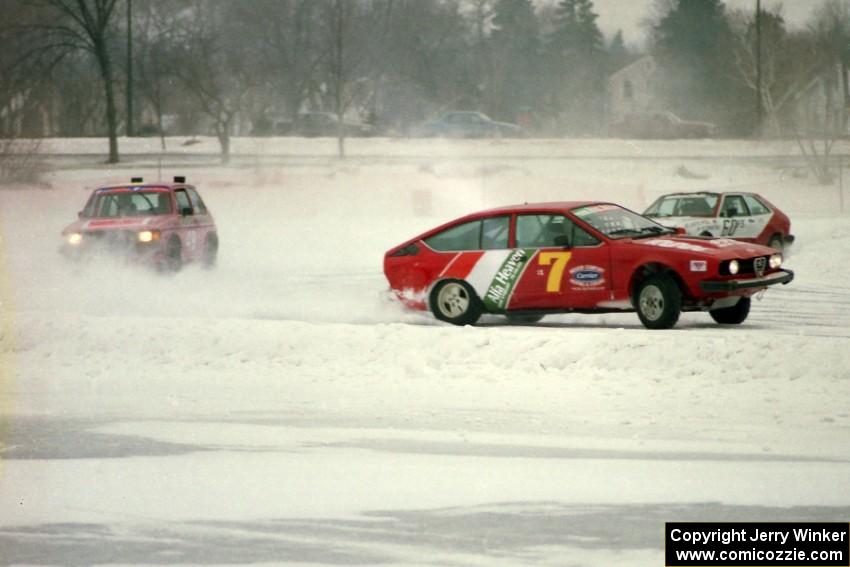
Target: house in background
[(630, 90)]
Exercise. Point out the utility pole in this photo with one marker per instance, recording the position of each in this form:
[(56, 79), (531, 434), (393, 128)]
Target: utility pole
[(758, 68), (129, 68), (339, 71)]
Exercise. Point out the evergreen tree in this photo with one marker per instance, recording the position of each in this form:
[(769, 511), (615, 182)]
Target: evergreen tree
[(618, 54), (577, 63), (693, 44), (516, 48)]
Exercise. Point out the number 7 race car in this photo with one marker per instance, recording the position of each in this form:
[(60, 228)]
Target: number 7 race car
[(527, 261), (742, 216)]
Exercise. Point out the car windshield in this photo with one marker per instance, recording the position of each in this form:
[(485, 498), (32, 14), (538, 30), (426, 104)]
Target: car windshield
[(699, 205), (129, 204), (616, 222)]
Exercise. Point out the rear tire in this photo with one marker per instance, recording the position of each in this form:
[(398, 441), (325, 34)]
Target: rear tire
[(210, 252), (658, 302), (455, 302), (734, 315)]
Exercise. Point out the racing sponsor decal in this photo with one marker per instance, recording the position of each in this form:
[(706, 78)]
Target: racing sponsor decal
[(502, 284), (585, 211), (587, 276), (676, 244), (699, 266)]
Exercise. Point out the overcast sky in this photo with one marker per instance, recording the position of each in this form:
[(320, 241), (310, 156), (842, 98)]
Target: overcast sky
[(628, 14)]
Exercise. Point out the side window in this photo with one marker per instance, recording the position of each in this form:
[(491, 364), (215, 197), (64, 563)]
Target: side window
[(182, 200), (580, 237), (756, 206), (495, 232), (464, 236), (734, 206), (541, 231), (197, 203)]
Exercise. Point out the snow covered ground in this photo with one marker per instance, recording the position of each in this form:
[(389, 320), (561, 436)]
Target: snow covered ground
[(281, 410)]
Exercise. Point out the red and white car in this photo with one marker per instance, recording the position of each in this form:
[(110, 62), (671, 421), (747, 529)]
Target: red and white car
[(742, 216), (164, 224), (526, 261)]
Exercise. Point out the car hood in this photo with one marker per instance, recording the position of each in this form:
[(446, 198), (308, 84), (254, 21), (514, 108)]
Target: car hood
[(717, 248), (112, 224)]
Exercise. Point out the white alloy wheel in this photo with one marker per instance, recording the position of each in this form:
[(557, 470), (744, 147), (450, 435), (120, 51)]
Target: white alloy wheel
[(453, 300)]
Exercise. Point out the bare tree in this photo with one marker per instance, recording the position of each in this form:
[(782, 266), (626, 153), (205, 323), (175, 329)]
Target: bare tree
[(85, 25), (213, 62), (789, 62)]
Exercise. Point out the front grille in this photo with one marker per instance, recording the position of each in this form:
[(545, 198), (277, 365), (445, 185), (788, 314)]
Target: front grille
[(748, 265), (109, 238)]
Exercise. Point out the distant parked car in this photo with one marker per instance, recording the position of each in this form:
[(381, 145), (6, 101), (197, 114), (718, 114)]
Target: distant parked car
[(467, 124), (661, 125), (162, 224), (319, 124), (742, 216)]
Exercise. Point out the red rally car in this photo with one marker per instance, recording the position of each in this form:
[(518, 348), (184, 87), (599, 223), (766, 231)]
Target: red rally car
[(165, 224), (529, 260)]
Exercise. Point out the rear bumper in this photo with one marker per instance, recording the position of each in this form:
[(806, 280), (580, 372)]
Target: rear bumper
[(780, 277), (788, 239)]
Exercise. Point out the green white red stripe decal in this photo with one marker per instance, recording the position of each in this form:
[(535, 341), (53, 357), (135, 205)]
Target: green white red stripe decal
[(503, 282), (493, 274)]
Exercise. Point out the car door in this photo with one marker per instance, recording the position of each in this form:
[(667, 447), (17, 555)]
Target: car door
[(188, 224), (736, 221), (569, 268), (203, 221), (760, 216)]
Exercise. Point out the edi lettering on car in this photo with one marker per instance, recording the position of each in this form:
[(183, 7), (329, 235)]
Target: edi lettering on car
[(735, 227)]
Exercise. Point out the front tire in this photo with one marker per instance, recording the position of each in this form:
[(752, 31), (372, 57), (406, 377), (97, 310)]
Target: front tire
[(455, 302), (776, 242), (734, 315), (173, 256), (659, 302)]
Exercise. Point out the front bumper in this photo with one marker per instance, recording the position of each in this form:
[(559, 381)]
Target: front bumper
[(780, 277)]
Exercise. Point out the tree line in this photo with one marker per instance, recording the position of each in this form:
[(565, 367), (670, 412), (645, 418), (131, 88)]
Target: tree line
[(241, 68)]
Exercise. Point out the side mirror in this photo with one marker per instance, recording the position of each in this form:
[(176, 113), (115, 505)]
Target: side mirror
[(680, 231), (185, 211)]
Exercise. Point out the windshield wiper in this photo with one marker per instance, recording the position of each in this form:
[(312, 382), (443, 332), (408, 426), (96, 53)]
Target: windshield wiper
[(653, 230), (623, 231)]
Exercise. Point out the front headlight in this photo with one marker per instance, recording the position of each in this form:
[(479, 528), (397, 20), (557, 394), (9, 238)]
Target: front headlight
[(148, 235), (775, 261), (734, 267), (74, 238)]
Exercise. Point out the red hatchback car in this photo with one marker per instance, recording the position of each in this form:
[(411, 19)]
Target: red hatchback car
[(165, 224), (527, 261)]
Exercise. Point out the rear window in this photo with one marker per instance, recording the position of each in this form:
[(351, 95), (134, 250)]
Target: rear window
[(488, 234), (128, 204)]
